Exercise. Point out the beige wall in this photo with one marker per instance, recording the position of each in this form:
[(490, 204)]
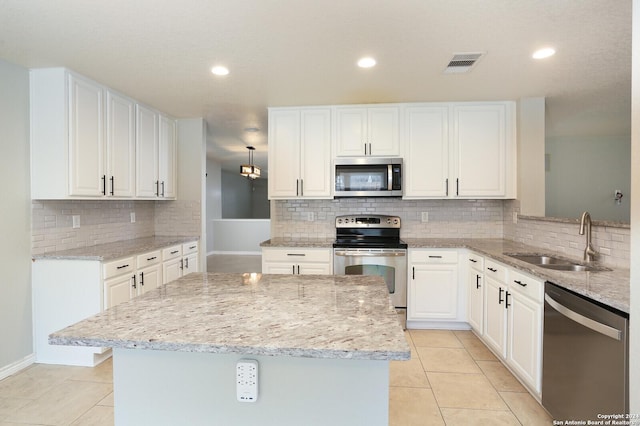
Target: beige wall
[(15, 250)]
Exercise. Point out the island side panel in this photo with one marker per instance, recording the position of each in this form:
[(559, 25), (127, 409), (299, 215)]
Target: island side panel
[(167, 388)]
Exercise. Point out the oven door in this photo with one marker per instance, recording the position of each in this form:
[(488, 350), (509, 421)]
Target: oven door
[(391, 264)]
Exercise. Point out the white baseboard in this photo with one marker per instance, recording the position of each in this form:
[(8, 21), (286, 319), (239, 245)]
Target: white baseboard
[(236, 253), (13, 368)]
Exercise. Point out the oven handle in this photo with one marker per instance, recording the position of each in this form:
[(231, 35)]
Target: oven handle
[(352, 253)]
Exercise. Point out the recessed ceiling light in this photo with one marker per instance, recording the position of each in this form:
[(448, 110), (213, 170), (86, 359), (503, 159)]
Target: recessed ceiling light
[(220, 70), (543, 53), (367, 62)]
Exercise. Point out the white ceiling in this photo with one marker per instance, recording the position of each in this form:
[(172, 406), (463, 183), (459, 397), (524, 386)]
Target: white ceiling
[(303, 52)]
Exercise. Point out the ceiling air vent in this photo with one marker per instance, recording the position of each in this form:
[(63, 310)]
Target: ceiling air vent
[(462, 62)]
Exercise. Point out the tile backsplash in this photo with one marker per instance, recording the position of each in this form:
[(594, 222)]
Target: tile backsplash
[(106, 221)]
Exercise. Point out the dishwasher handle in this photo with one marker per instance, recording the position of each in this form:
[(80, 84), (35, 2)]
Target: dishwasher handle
[(612, 332)]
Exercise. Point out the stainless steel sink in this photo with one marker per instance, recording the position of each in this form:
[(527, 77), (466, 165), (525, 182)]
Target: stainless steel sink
[(556, 263)]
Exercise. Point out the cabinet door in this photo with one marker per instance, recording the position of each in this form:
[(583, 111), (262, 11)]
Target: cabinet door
[(314, 269), (495, 324), (278, 268), (171, 270), (117, 290), (479, 136), (351, 132), (86, 138), (190, 264), (426, 160), (284, 153), (315, 170), (167, 157), (525, 338), (433, 292), (149, 278), (383, 132), (475, 286), (147, 182), (121, 145)]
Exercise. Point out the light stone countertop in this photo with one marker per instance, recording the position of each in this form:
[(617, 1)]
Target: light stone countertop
[(313, 316), (609, 287), (301, 243), (118, 249)]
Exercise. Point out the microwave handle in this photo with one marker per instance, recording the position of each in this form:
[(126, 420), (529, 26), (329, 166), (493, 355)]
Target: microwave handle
[(389, 176)]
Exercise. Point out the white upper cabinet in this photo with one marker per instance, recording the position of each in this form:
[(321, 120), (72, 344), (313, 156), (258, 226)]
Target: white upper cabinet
[(480, 135), (155, 154), (83, 141), (363, 131), (426, 160), (299, 153), (460, 150), (121, 145)]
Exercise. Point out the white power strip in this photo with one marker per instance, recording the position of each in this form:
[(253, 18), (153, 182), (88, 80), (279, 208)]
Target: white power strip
[(247, 380)]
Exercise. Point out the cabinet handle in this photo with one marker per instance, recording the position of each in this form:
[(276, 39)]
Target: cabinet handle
[(141, 278), (446, 187), (192, 247), (151, 258), (298, 269), (104, 184), (500, 300), (175, 251), (134, 282), (186, 261), (506, 304), (293, 269), (112, 179), (157, 188), (478, 281), (457, 187), (492, 269), (370, 153), (520, 282), (302, 187), (413, 272), (296, 254), (365, 148), (181, 264), (297, 187), (473, 260), (435, 257), (122, 267), (163, 188)]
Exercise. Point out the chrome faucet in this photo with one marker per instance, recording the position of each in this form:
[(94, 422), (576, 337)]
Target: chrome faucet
[(589, 253)]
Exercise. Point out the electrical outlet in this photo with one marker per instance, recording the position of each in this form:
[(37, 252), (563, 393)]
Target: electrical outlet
[(133, 217), (76, 221), (425, 217), (247, 380), (311, 217)]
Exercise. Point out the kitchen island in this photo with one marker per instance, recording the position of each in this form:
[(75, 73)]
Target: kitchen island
[(322, 344)]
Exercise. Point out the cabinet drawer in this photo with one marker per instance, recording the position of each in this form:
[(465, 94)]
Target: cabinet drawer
[(119, 267), (526, 285), (171, 252), (495, 270), (297, 255), (147, 259), (475, 261), (189, 248), (433, 256)]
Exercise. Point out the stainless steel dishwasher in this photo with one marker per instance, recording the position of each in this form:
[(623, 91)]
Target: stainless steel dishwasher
[(585, 357)]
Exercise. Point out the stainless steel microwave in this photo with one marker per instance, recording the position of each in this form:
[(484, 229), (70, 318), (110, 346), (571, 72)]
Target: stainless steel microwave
[(368, 177)]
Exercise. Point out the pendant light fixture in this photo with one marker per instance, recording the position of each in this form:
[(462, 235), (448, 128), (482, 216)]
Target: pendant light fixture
[(250, 170)]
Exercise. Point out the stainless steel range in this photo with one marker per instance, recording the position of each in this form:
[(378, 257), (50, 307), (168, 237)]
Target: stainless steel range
[(371, 245)]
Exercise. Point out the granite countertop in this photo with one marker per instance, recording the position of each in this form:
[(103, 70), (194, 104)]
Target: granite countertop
[(303, 242), (609, 287), (314, 316), (118, 249)]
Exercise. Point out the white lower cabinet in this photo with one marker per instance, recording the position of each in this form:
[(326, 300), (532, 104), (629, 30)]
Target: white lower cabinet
[(513, 321), (475, 292), (298, 261), (66, 291), (434, 296)]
